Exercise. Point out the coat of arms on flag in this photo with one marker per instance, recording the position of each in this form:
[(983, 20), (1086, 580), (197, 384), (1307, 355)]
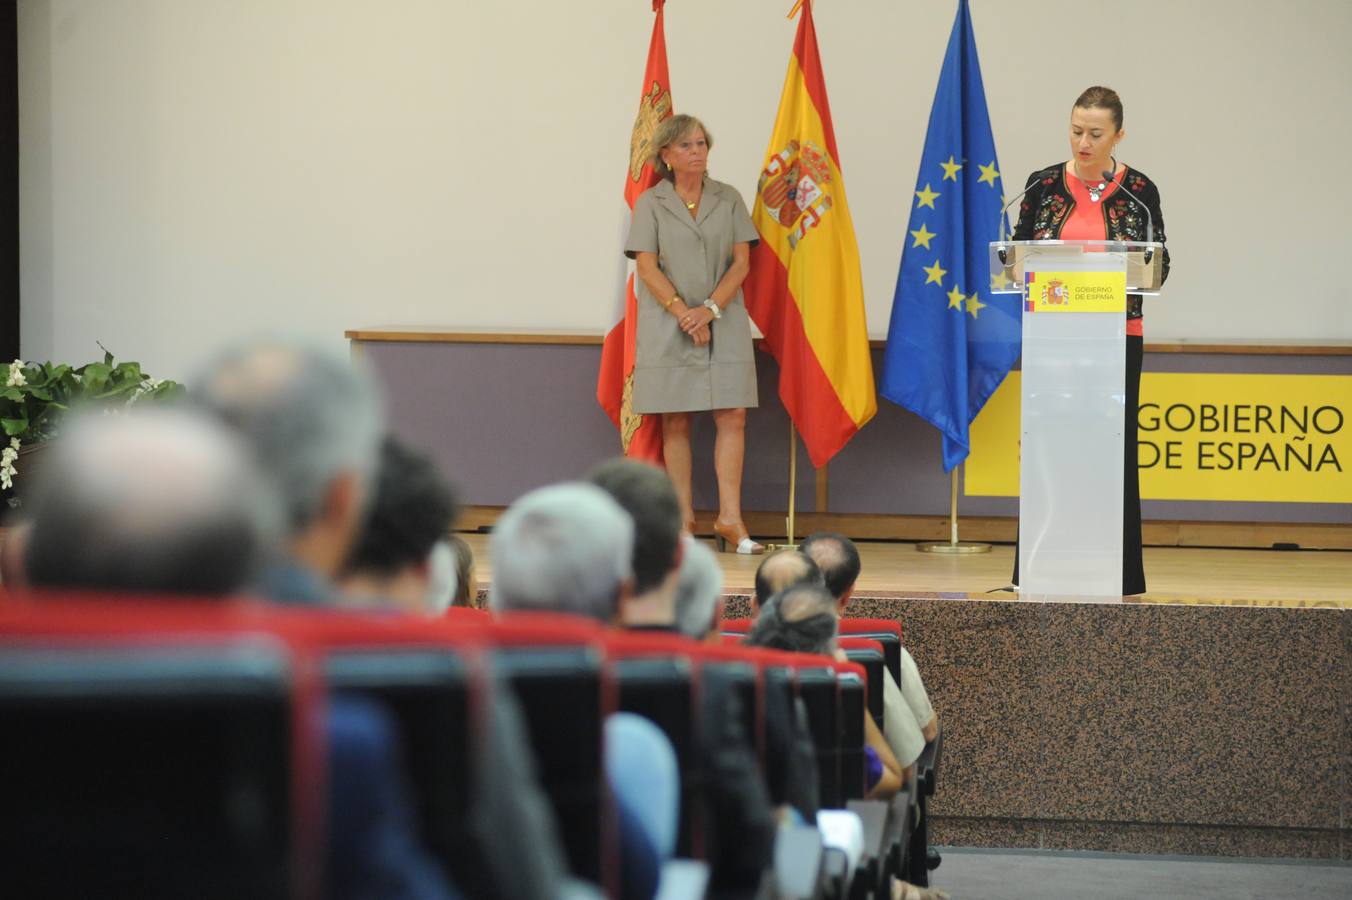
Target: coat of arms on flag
[(793, 188), (640, 435)]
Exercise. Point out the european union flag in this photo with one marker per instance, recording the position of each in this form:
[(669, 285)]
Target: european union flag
[(951, 341)]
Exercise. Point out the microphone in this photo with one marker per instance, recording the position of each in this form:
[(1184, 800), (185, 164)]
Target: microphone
[(1149, 219), (1002, 250)]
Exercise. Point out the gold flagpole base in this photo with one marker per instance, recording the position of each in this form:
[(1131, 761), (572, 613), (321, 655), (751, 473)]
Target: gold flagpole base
[(954, 547)]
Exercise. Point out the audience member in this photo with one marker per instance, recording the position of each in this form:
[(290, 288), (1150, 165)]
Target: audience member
[(568, 548), (564, 548), (166, 502), (739, 824), (12, 551), (151, 501), (646, 494), (780, 570), (838, 559), (699, 592), (401, 558), (466, 586), (802, 619), (313, 420)]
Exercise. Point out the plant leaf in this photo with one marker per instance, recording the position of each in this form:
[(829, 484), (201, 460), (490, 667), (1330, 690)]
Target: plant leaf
[(94, 377)]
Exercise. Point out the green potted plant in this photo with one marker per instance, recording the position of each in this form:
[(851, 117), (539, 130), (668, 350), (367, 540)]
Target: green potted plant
[(34, 397)]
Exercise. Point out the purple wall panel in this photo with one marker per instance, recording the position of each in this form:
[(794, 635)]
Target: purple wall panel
[(504, 418)]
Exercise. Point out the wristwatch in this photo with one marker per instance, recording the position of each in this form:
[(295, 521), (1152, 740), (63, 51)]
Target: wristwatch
[(713, 308)]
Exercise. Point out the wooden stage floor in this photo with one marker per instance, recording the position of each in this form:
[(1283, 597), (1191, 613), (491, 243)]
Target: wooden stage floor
[(1174, 574)]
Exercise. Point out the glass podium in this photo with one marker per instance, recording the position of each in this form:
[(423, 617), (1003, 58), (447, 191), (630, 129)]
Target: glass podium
[(1074, 393)]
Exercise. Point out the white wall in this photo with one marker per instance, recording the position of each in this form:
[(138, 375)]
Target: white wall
[(196, 169)]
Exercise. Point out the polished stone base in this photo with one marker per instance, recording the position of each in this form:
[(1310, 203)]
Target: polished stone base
[(1155, 728)]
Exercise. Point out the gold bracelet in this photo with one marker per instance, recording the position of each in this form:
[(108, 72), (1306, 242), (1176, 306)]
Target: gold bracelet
[(674, 298)]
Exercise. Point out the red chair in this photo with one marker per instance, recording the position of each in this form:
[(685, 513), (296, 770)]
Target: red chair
[(555, 665), (886, 631), (869, 654), (462, 613), (114, 683)]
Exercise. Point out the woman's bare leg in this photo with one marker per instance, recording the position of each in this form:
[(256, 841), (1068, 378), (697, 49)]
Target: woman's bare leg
[(729, 451), (676, 452)]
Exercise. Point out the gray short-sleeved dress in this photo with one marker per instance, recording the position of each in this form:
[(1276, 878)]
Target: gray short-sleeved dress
[(671, 374)]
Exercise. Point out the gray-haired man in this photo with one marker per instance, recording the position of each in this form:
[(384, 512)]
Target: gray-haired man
[(313, 420)]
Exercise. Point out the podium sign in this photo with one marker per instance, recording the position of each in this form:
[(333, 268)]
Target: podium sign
[(1071, 426)]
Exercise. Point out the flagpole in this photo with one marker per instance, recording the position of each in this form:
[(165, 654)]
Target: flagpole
[(953, 545), (789, 521), (793, 478)]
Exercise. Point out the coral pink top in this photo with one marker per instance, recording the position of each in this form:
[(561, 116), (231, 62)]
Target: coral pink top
[(1086, 224)]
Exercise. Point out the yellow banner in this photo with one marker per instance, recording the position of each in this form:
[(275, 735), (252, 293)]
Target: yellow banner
[(1275, 438), (1077, 292)]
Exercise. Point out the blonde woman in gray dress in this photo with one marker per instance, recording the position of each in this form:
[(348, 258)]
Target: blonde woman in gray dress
[(691, 238)]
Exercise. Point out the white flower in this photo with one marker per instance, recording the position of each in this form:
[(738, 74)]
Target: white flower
[(145, 387), (14, 442), (16, 378), (7, 470)]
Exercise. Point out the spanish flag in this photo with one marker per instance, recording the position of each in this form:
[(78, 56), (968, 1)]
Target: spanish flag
[(805, 291), (640, 435)]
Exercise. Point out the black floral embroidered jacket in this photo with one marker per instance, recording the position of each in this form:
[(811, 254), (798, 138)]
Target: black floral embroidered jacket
[(1047, 205)]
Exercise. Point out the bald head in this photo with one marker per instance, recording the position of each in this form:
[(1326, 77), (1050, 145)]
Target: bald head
[(838, 559), (783, 569), (157, 500), (801, 618)]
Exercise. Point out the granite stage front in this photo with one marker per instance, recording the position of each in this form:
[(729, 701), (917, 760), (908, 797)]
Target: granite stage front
[(1193, 721), (1218, 729)]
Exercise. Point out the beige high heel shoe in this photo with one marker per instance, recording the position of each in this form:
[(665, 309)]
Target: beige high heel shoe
[(735, 534)]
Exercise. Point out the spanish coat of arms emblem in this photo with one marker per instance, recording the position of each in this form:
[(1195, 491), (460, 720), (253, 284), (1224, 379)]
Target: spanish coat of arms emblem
[(1055, 293), (793, 188)]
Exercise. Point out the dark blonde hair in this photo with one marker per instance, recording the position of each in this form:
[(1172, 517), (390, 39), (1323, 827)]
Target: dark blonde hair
[(464, 572), (1099, 97), (671, 131)]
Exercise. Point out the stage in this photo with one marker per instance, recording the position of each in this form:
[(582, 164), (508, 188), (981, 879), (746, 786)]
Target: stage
[(1209, 717), (1174, 574)]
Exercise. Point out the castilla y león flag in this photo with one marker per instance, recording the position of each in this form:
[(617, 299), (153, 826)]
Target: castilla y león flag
[(640, 435), (805, 291)]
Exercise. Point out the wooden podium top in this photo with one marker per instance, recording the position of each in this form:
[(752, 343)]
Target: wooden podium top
[(441, 334)]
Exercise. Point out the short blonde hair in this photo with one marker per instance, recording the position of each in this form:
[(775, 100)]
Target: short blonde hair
[(671, 131)]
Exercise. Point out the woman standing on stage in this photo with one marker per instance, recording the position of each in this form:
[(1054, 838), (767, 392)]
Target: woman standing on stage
[(692, 238), (1074, 201)]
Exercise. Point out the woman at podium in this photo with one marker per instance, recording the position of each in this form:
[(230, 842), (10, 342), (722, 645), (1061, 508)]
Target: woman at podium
[(1086, 199), (691, 237)]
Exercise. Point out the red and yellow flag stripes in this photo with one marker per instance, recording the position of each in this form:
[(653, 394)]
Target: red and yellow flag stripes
[(640, 435), (805, 291)]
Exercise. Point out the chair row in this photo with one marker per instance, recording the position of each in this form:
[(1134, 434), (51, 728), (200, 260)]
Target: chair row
[(875, 645), (173, 744)]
